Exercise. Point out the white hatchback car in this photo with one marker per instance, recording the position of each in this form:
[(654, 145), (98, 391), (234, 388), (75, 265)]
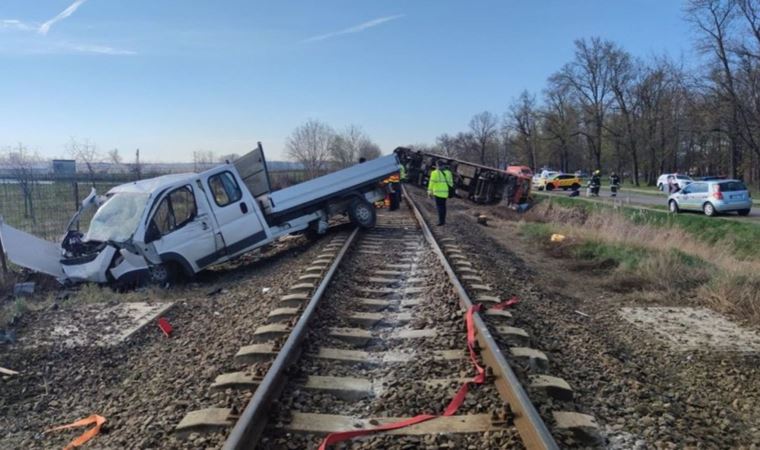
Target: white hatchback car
[(679, 179)]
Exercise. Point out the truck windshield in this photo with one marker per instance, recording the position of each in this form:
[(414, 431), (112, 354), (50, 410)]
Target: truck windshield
[(118, 218)]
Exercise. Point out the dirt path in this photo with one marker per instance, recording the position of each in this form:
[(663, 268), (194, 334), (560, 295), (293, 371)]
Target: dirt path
[(643, 391)]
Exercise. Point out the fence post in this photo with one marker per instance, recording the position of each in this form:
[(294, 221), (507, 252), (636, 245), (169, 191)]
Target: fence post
[(76, 195), (2, 256)]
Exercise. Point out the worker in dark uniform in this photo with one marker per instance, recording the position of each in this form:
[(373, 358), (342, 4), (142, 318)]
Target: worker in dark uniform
[(394, 191), (438, 188)]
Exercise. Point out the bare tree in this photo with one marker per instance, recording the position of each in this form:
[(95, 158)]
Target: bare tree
[(231, 157), (524, 118), (86, 152), (446, 145), (352, 144), (588, 78), (136, 167), (484, 128), (203, 160), (369, 150), (21, 163), (310, 145), (560, 121)]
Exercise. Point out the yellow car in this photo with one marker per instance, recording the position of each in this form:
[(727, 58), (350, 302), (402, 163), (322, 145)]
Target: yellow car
[(564, 182)]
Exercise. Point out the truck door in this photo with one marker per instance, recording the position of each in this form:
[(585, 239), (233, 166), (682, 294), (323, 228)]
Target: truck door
[(181, 231), (235, 210)]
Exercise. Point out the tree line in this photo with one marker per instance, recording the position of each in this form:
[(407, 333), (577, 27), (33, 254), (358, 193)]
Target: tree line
[(320, 149), (608, 109)]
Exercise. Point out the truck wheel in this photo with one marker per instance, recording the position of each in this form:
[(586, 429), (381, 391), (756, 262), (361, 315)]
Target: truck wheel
[(163, 274), (362, 213)]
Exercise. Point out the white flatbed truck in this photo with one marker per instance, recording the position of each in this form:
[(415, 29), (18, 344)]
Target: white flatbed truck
[(183, 223)]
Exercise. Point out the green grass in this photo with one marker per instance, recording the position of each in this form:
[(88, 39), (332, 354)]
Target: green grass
[(741, 236), (628, 257), (538, 232)]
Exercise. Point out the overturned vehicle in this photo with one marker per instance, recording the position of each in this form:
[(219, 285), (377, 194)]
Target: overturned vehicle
[(180, 224)]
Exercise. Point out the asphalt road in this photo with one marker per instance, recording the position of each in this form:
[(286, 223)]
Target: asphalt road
[(646, 200)]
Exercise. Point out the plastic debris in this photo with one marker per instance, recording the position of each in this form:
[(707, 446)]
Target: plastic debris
[(87, 435), (265, 290), (165, 326), (557, 237)]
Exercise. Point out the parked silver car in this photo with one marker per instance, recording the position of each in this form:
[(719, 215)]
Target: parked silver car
[(712, 197)]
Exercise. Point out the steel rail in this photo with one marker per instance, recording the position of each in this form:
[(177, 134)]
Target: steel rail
[(246, 432), (532, 429)]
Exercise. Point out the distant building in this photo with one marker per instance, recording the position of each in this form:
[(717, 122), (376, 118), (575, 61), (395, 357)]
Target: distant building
[(63, 167)]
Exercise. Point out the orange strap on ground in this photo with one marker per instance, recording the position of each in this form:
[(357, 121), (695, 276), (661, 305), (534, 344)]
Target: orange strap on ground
[(453, 406), (87, 435)]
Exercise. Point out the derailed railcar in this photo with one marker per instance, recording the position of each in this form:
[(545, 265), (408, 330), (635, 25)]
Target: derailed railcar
[(475, 182)]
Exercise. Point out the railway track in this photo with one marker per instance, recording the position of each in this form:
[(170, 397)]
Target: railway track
[(374, 335)]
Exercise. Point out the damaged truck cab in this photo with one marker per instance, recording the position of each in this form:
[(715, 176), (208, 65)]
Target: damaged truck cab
[(182, 223)]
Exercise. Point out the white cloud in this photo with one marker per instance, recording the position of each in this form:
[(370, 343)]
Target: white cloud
[(45, 27), (14, 24), (99, 49), (354, 29)]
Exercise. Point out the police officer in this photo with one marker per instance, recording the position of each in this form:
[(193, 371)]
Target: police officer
[(438, 188)]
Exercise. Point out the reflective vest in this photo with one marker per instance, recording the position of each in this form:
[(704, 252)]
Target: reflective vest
[(449, 177), (402, 172), (438, 184)]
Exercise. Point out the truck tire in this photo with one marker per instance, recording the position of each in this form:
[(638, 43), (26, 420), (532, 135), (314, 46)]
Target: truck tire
[(362, 213), (164, 274)]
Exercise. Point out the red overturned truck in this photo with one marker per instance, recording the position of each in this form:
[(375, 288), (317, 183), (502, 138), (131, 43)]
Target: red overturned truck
[(475, 182)]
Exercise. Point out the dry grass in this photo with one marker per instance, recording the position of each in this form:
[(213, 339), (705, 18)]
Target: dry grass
[(667, 261)]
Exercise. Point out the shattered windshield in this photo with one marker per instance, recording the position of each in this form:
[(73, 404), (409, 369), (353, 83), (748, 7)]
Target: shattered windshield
[(118, 218)]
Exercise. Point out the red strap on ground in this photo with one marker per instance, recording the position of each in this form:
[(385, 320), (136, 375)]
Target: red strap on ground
[(453, 406), (87, 435), (507, 303)]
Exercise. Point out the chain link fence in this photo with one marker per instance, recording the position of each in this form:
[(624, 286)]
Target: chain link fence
[(44, 207)]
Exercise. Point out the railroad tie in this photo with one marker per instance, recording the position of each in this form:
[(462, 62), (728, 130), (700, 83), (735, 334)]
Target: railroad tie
[(553, 386), (282, 314), (312, 423), (305, 286), (205, 420), (271, 331), (236, 380), (255, 353), (294, 300), (370, 319), (583, 426), (537, 359), (310, 277), (355, 336), (513, 334), (387, 357)]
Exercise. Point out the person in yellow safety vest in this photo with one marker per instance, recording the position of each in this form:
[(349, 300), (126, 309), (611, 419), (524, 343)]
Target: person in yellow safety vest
[(402, 172), (449, 179), (438, 187)]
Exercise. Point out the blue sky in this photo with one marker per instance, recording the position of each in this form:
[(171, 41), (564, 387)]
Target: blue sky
[(174, 76)]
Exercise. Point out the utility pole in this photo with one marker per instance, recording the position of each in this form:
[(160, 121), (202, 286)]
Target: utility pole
[(138, 170)]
